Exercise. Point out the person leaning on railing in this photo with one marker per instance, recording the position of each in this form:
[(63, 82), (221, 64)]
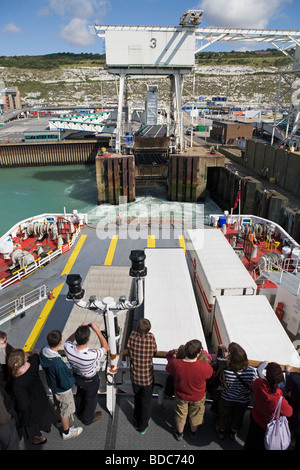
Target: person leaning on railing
[(266, 396), (83, 361)]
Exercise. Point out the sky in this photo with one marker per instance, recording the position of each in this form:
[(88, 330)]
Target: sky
[(38, 27)]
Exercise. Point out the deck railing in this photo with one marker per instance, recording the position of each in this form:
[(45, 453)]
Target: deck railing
[(284, 267), (162, 355), (18, 306), (39, 262)]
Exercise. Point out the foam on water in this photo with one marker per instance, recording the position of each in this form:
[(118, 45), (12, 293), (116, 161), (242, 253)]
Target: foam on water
[(29, 191)]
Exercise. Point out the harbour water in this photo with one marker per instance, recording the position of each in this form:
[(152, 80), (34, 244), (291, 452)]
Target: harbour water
[(29, 191)]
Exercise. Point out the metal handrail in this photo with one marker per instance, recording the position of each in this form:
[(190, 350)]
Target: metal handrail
[(18, 306), (283, 267), (162, 355), (38, 263)]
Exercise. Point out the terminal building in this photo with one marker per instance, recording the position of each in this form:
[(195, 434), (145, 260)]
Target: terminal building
[(11, 98), (229, 133), (40, 135)]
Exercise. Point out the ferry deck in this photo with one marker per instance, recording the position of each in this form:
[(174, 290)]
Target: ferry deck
[(114, 435)]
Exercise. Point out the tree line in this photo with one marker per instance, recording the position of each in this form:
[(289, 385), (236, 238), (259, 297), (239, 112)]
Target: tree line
[(51, 61), (256, 58)]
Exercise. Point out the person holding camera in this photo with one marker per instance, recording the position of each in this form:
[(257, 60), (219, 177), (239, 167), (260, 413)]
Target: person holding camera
[(84, 365)]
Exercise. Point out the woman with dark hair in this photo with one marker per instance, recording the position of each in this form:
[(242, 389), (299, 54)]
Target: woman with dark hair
[(266, 396), (235, 397)]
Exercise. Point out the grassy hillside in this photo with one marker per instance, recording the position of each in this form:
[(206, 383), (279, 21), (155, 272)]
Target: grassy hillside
[(267, 58), (52, 61), (76, 79)]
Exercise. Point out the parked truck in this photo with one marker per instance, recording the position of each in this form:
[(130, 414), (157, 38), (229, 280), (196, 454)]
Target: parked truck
[(169, 301), (216, 270), (251, 322)]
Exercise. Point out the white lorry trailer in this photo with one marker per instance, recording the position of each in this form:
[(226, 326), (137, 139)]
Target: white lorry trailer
[(251, 322), (216, 270), (169, 300)]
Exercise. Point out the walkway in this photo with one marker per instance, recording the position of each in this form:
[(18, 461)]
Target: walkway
[(120, 435)]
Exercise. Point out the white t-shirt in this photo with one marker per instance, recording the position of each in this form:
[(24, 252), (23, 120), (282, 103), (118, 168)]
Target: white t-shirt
[(83, 361)]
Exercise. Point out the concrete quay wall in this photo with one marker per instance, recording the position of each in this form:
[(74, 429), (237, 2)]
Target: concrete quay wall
[(115, 176), (45, 154), (271, 162), (187, 175), (223, 185)]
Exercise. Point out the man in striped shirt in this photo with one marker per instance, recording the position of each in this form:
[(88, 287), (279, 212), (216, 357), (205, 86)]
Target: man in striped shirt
[(141, 348), (84, 364)]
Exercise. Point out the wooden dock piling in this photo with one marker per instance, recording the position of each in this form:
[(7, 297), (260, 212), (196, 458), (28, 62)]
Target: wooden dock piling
[(115, 178)]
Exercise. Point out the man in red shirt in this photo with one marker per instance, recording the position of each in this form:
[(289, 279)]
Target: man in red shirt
[(141, 348), (190, 377)]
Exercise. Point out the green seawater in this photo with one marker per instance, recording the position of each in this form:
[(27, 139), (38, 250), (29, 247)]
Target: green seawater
[(25, 192)]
